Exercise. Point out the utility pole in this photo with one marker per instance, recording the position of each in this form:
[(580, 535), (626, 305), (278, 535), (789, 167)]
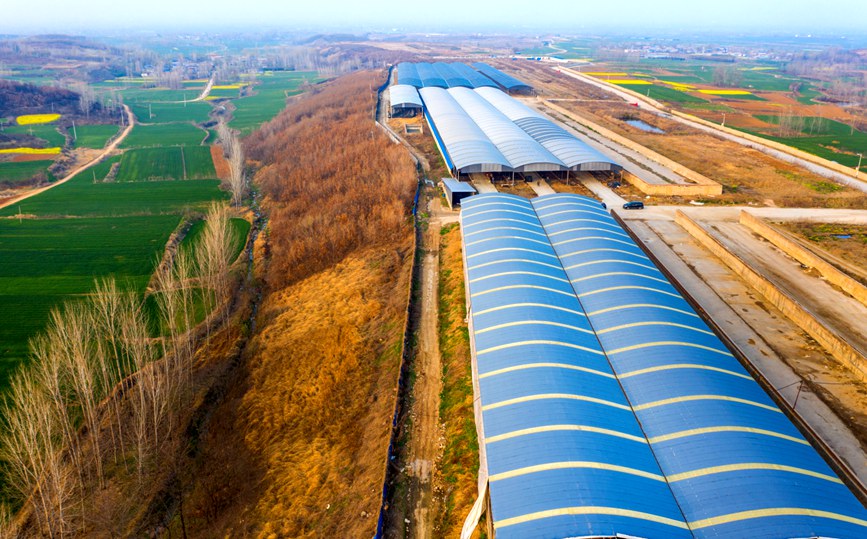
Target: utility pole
[(74, 133)]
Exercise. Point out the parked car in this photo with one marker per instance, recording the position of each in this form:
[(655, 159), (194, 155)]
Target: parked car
[(613, 185), (604, 206), (634, 205)]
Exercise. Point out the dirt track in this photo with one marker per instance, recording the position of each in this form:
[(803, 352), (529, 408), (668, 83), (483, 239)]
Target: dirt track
[(424, 447), (108, 150)]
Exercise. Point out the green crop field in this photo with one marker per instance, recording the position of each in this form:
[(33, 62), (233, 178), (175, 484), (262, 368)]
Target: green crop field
[(194, 111), (198, 162), (828, 139), (664, 93), (135, 96), (47, 132), (151, 163), (47, 261), (270, 98), (12, 173), (173, 163), (229, 93), (143, 136), (82, 197), (744, 97), (94, 136)]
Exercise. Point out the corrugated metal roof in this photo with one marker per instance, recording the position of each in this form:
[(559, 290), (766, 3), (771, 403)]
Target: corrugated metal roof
[(467, 146), (429, 76), (453, 78), (736, 464), (505, 80), (408, 74), (574, 153), (454, 186), (522, 151), (565, 454), (404, 95), (474, 77)]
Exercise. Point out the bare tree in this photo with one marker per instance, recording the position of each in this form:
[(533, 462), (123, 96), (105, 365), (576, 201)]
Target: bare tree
[(213, 254), (35, 468), (105, 304), (234, 153)]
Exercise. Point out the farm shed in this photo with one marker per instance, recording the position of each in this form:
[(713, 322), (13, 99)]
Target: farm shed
[(404, 101), (522, 151), (464, 146), (456, 190), (578, 339), (505, 81), (485, 130), (575, 154)]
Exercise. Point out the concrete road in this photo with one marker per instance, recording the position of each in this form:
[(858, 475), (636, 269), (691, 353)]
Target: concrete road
[(482, 184), (732, 213), (542, 188)]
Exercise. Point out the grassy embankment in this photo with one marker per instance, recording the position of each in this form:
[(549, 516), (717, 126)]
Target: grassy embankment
[(459, 465)]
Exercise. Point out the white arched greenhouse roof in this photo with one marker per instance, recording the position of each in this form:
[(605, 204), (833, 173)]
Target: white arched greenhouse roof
[(464, 142), (574, 153), (522, 151), (404, 95)]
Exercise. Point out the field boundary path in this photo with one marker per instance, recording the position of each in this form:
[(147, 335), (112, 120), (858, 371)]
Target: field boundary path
[(424, 446), (202, 95), (784, 153), (105, 152)]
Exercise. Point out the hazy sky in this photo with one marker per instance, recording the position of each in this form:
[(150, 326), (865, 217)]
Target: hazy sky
[(557, 15)]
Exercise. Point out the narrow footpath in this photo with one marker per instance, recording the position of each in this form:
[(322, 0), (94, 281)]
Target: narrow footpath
[(425, 433)]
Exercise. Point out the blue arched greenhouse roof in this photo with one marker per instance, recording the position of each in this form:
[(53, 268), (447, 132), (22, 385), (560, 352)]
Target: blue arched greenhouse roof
[(564, 452), (608, 406)]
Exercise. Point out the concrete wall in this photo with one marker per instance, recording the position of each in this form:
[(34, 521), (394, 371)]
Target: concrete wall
[(702, 185), (671, 189), (785, 243), (836, 345)]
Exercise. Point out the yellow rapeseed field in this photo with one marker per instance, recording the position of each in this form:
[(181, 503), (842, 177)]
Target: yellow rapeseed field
[(32, 151), (679, 85), (725, 92), (630, 81), (30, 119), (227, 86)]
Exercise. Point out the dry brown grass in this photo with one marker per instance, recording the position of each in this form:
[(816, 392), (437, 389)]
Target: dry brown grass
[(827, 237), (459, 465), (299, 450)]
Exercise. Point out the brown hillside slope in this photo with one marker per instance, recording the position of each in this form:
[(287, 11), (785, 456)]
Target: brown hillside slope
[(299, 446)]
